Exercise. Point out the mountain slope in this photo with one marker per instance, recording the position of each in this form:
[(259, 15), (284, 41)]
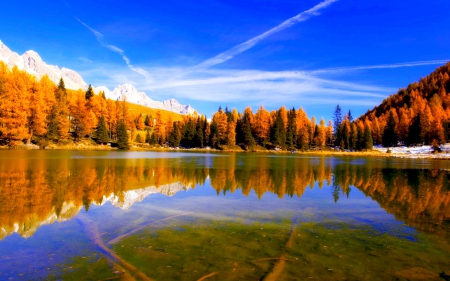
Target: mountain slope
[(31, 62), (417, 114), (131, 95)]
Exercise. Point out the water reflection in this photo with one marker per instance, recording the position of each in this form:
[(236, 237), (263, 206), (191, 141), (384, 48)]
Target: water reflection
[(42, 190)]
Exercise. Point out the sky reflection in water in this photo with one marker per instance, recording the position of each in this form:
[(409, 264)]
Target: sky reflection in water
[(54, 199)]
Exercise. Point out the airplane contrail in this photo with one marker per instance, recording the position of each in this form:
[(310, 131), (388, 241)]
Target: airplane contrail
[(115, 49), (303, 16), (379, 66)]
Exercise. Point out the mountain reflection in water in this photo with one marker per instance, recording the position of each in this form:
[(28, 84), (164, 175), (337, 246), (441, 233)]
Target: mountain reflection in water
[(40, 191)]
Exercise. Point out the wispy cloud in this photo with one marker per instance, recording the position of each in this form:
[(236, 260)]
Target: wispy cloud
[(100, 39), (303, 16), (84, 59), (272, 88), (253, 87), (379, 66)]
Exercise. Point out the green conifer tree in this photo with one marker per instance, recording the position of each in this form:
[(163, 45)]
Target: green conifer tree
[(249, 140), (122, 136), (360, 142), (138, 138), (198, 138), (390, 137), (291, 134), (153, 139), (102, 131), (52, 127), (147, 136), (89, 93), (368, 141), (278, 131)]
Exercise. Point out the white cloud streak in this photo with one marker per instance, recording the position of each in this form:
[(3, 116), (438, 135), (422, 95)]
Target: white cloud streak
[(100, 39), (379, 66), (303, 16)]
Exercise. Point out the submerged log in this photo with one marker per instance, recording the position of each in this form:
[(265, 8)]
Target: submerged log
[(91, 229), (117, 239)]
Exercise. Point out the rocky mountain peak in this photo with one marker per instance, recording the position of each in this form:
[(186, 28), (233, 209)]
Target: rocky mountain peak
[(31, 62)]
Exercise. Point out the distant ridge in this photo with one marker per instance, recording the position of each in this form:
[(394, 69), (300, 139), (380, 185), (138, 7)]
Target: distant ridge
[(31, 62), (131, 94)]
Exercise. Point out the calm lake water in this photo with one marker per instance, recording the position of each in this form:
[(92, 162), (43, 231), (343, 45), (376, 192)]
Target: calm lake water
[(73, 215)]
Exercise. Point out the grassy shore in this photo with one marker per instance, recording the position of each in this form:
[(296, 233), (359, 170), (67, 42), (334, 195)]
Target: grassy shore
[(91, 145)]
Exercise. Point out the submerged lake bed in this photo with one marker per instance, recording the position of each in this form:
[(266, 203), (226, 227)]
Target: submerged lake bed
[(82, 215)]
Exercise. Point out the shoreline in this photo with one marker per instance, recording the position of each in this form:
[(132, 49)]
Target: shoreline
[(376, 152)]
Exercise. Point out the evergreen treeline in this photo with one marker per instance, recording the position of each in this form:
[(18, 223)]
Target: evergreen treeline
[(419, 114), (285, 129), (349, 134)]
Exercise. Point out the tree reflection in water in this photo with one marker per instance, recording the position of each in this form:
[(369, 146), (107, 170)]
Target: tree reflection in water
[(42, 191)]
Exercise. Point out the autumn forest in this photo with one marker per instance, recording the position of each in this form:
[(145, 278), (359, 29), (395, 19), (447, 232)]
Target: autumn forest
[(41, 112)]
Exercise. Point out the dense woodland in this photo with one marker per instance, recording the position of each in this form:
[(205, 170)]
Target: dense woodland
[(42, 112), (419, 114)]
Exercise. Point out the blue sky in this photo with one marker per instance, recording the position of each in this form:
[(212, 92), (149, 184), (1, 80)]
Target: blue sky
[(310, 54)]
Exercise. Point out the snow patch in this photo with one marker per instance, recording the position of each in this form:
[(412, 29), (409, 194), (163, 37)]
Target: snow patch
[(32, 63)]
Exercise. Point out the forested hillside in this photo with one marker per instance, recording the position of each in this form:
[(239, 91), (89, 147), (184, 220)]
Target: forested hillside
[(40, 111), (418, 114)]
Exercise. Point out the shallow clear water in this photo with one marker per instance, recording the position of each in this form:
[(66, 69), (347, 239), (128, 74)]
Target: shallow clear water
[(75, 215)]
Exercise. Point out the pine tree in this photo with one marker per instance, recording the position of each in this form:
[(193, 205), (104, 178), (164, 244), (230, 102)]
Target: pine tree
[(147, 136), (221, 120), (37, 117), (89, 93), (147, 121), (62, 114), (189, 133), (122, 136), (102, 131), (337, 119), (153, 139), (138, 138), (198, 138), (174, 136), (360, 144), (390, 137), (214, 135), (249, 141), (159, 128), (353, 139), (368, 141), (52, 127), (262, 125), (414, 131), (303, 124), (278, 131), (140, 122), (291, 131)]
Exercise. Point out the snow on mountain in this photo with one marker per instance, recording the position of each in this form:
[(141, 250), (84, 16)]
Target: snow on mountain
[(131, 94), (69, 209), (33, 64), (132, 196)]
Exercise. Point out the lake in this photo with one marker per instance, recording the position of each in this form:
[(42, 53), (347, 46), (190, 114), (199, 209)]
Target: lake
[(78, 215)]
